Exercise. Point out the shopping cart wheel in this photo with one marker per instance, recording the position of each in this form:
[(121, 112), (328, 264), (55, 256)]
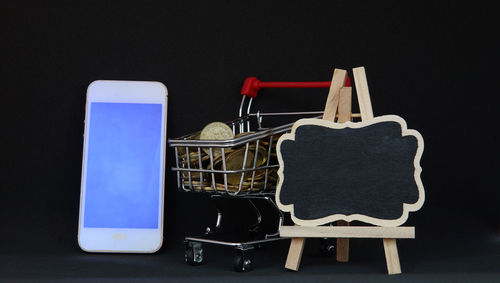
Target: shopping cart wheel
[(243, 260), (194, 253), (326, 247)]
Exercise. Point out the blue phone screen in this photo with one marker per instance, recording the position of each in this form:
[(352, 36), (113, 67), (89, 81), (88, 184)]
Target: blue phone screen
[(123, 165)]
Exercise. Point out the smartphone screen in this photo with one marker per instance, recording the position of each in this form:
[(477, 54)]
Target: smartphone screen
[(124, 166)]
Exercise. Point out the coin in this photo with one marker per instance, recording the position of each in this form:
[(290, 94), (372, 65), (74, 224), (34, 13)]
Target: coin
[(220, 187), (216, 131), (195, 136), (196, 185), (234, 158), (194, 176), (261, 154), (257, 186), (193, 158), (234, 161)]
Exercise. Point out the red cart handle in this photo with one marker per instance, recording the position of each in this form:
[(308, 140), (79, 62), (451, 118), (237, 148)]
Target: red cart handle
[(252, 85)]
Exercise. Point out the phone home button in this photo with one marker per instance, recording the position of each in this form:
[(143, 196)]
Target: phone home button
[(119, 236)]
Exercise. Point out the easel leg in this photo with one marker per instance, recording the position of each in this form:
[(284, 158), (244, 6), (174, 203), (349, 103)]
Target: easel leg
[(342, 245), (295, 253), (391, 256)]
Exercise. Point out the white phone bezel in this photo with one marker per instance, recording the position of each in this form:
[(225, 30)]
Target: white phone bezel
[(123, 239)]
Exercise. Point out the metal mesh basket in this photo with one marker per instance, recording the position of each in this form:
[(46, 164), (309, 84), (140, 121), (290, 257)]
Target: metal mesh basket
[(244, 165)]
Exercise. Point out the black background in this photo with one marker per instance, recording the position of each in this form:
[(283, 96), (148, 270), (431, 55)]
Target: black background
[(435, 64)]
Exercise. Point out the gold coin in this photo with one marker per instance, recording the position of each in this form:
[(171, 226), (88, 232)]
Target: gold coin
[(260, 174), (194, 176), (193, 158), (196, 185), (234, 161), (262, 155), (195, 136), (216, 131), (219, 187)]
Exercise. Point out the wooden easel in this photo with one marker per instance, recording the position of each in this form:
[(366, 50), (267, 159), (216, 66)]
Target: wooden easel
[(339, 104)]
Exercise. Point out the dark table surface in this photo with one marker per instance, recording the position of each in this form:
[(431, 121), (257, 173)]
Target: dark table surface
[(442, 259)]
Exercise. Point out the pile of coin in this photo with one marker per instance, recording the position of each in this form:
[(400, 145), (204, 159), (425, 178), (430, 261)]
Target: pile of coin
[(248, 159)]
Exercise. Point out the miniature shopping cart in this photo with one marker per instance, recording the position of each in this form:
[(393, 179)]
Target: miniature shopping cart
[(208, 166)]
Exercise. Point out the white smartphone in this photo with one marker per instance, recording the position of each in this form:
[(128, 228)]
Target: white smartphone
[(123, 171)]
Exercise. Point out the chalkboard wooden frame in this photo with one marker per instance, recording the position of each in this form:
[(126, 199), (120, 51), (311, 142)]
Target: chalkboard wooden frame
[(364, 218), (339, 98)]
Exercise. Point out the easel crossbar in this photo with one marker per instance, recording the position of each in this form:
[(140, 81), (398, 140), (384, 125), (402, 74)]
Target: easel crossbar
[(406, 232)]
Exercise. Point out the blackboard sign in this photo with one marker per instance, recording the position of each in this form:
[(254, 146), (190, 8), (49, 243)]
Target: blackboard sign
[(367, 171)]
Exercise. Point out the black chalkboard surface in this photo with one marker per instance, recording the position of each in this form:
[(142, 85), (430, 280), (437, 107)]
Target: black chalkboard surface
[(367, 171)]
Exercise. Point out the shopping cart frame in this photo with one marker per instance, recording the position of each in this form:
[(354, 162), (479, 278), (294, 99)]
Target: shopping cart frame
[(243, 260)]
